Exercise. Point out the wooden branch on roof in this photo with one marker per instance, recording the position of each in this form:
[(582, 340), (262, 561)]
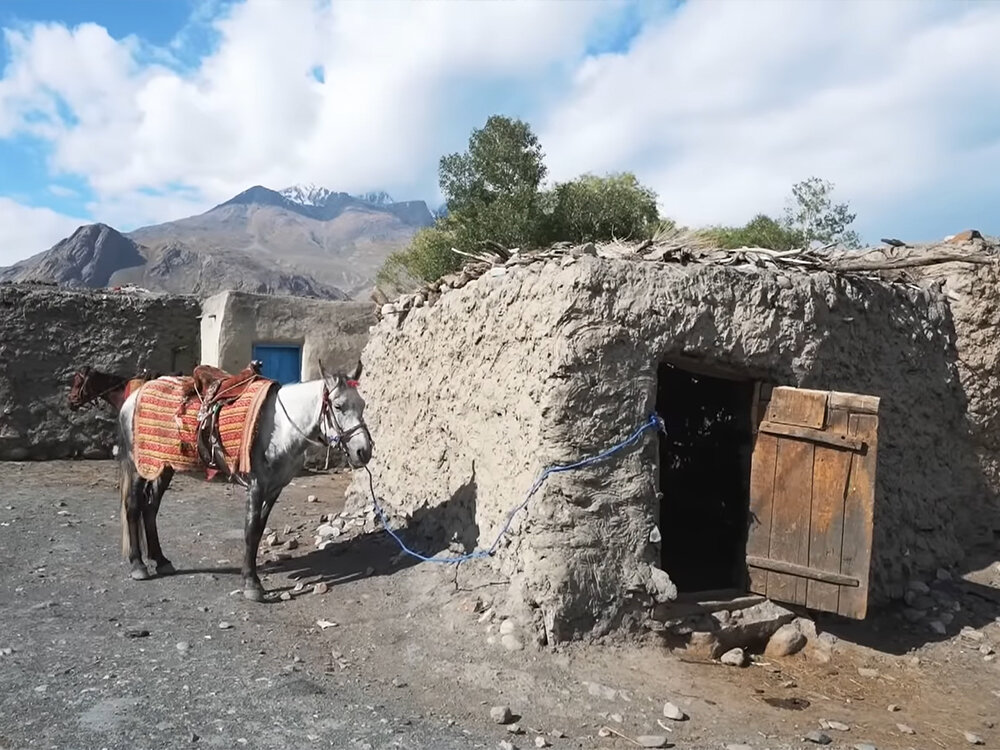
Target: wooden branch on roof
[(889, 264)]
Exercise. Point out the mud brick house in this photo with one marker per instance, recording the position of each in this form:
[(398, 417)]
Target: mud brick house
[(828, 424)]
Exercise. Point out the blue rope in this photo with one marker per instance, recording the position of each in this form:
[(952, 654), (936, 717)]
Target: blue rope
[(654, 422)]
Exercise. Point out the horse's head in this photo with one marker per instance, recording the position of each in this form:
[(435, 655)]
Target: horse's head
[(89, 384), (79, 390), (344, 422)]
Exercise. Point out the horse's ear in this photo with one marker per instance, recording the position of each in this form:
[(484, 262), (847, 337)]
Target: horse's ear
[(326, 376), (356, 375)]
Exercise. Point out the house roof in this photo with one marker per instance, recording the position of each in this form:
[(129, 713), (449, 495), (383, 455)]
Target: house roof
[(894, 262)]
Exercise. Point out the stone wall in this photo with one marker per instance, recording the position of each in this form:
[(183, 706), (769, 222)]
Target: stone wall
[(539, 364), (335, 332), (46, 333)]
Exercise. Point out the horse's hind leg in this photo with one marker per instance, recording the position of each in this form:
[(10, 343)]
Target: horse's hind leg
[(136, 533), (153, 496)]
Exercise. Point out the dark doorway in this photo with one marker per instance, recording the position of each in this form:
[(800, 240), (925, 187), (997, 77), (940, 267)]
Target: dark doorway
[(704, 477)]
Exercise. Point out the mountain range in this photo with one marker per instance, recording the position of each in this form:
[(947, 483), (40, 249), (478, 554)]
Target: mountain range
[(304, 240)]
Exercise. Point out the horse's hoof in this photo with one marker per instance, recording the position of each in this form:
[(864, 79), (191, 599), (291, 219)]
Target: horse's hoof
[(254, 595), (165, 569), (139, 573)]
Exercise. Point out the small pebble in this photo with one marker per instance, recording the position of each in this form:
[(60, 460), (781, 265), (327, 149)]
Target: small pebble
[(617, 718), (837, 726), (515, 728), (867, 672), (506, 745), (183, 646), (906, 729), (501, 714), (865, 746), (893, 708), (818, 738), (973, 739), (320, 588), (312, 499), (734, 658), (285, 596), (541, 742), (672, 712), (652, 740), (511, 642), (225, 625)]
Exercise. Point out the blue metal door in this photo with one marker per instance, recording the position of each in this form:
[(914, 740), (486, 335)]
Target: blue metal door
[(280, 362)]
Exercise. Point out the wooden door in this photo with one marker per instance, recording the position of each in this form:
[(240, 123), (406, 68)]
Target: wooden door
[(812, 493)]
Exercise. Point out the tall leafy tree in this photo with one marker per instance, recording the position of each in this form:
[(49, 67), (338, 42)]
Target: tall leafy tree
[(812, 212)]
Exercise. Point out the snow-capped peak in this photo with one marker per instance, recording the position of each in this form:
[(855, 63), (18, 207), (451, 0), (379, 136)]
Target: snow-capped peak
[(376, 198), (307, 195)]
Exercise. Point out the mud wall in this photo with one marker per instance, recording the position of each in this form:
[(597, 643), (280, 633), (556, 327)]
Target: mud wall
[(47, 333), (335, 332), (973, 291), (541, 364)]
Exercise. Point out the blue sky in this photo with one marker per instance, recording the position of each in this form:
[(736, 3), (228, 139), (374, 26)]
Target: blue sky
[(139, 111)]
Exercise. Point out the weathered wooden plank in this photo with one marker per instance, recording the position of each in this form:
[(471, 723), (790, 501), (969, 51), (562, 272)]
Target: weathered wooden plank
[(854, 402), (798, 406), (761, 498), (802, 571), (859, 510), (836, 440), (831, 471), (790, 518)]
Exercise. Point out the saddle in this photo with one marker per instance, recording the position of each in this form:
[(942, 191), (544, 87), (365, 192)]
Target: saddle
[(216, 388)]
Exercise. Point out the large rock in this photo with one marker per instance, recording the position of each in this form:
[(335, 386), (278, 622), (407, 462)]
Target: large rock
[(787, 640)]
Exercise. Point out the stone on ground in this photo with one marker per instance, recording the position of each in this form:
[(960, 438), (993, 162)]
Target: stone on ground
[(501, 714), (787, 640), (818, 738), (652, 740), (673, 712), (735, 657)]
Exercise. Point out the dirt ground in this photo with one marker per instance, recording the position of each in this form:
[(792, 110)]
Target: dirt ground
[(90, 659)]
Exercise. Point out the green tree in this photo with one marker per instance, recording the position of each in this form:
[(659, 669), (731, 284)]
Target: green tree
[(760, 231), (590, 209), (811, 212), (494, 196), (492, 190)]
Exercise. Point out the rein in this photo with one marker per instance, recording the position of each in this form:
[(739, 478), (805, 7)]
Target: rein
[(93, 397), (327, 416)]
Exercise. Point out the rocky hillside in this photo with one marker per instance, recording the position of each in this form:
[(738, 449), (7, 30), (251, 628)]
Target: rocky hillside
[(339, 239), (96, 255), (304, 240)]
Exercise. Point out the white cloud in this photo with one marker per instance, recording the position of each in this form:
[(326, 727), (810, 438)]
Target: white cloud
[(252, 112), (722, 107), (25, 230)]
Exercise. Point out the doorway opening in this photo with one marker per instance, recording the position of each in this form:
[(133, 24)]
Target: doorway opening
[(704, 477)]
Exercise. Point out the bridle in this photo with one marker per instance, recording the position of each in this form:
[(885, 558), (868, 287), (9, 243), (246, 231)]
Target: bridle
[(81, 402), (328, 418)]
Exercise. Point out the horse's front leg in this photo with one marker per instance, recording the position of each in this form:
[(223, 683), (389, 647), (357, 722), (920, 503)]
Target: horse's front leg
[(253, 528)]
